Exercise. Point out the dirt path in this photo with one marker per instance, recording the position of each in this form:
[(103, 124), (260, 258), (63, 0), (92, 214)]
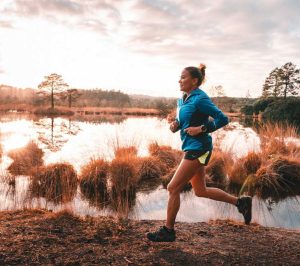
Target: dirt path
[(37, 237)]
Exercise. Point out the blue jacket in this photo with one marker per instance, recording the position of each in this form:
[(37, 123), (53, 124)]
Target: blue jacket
[(195, 111)]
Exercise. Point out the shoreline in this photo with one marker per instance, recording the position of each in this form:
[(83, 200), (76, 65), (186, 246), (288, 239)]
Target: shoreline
[(43, 237), (85, 111)]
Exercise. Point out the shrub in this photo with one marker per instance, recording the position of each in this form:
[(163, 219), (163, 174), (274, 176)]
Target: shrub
[(165, 154), (150, 168), (25, 159), (56, 182), (93, 182), (287, 111)]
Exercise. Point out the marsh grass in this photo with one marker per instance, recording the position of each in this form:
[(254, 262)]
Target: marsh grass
[(150, 168), (25, 159), (165, 154), (218, 168), (56, 182), (123, 179), (279, 179), (93, 182), (53, 111)]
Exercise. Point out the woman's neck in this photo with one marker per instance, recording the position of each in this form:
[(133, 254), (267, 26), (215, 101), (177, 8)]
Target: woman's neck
[(189, 92)]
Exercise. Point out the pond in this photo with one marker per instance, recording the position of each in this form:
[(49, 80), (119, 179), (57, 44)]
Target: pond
[(78, 140)]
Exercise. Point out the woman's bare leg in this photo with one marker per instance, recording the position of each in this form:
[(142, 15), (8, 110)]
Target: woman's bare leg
[(185, 171), (200, 189)]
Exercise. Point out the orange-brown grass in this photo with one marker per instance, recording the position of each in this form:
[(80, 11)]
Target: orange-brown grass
[(123, 178), (93, 182), (244, 167), (237, 174), (165, 154), (218, 167), (150, 168), (273, 139), (126, 152), (56, 182), (25, 159), (252, 162), (53, 111), (280, 178), (114, 111)]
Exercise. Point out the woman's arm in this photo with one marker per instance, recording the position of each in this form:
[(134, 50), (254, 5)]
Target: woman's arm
[(206, 106)]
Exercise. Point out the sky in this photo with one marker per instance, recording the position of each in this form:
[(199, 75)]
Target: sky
[(141, 46)]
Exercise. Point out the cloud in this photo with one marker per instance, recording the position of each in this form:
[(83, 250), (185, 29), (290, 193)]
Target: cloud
[(97, 16), (6, 24), (241, 40)]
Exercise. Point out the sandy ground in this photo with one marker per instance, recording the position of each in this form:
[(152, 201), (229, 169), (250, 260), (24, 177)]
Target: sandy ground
[(38, 237)]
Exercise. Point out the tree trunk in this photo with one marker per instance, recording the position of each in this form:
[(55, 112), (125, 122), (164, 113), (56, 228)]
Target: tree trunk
[(52, 97), (70, 100), (285, 90)]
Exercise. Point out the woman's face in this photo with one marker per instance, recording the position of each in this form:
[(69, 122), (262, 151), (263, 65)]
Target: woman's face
[(187, 83)]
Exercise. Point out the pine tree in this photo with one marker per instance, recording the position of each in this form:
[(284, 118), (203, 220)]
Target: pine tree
[(53, 85), (289, 79)]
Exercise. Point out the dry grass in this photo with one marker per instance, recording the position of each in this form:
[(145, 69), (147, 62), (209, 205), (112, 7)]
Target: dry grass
[(123, 178), (93, 182), (150, 168), (114, 111), (25, 159), (125, 152), (165, 154), (56, 182), (273, 140), (57, 111), (218, 167), (279, 179)]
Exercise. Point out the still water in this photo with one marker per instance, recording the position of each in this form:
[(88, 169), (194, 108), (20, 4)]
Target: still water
[(77, 141)]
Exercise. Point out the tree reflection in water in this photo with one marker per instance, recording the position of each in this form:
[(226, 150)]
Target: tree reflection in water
[(55, 132)]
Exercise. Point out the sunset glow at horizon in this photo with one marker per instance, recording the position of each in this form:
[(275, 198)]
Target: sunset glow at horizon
[(141, 46)]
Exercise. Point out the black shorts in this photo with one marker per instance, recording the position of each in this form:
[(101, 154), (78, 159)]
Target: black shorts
[(202, 156)]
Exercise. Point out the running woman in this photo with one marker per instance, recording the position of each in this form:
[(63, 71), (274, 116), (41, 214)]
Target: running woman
[(193, 111)]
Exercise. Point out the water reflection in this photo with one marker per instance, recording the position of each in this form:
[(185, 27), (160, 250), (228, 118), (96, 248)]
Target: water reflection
[(76, 142), (55, 132)]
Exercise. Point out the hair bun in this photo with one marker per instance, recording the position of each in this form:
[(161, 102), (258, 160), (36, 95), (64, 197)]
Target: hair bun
[(202, 67)]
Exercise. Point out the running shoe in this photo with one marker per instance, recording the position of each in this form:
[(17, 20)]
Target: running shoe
[(244, 205), (163, 234)]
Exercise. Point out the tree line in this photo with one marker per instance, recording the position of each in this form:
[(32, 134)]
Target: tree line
[(279, 100)]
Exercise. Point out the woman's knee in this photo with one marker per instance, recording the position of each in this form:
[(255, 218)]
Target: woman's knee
[(201, 193), (173, 189)]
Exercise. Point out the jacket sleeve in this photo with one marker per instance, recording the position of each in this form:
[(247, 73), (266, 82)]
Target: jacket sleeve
[(177, 116), (206, 106)]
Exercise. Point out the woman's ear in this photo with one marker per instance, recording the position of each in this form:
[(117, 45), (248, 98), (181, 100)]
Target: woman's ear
[(195, 81)]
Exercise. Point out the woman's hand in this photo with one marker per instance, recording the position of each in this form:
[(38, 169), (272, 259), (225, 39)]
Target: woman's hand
[(193, 131), (174, 126)]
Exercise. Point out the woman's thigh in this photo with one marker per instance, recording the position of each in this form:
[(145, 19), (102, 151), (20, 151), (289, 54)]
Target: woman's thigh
[(185, 171), (198, 181)]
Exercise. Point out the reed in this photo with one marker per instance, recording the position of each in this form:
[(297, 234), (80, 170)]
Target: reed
[(93, 182), (25, 159), (123, 178), (127, 152), (279, 179), (165, 154), (218, 168), (150, 168), (274, 139), (56, 182)]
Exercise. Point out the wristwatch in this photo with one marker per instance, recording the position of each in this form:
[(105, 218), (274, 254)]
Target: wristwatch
[(204, 128)]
